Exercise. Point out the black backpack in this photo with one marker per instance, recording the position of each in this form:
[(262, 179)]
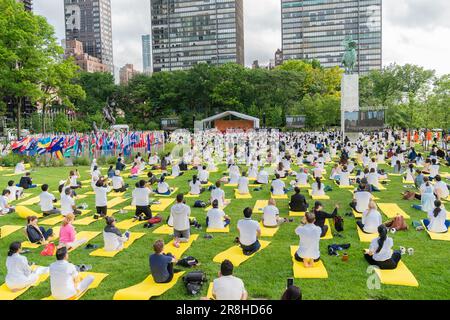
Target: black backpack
[(338, 223), (187, 262), (199, 204), (194, 282)]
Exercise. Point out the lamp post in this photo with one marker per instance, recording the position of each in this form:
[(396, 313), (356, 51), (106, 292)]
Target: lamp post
[(264, 120)]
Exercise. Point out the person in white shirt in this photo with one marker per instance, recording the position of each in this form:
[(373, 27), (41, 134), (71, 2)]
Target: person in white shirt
[(434, 169), (142, 202), (95, 174), (180, 213), (228, 287), (219, 195), (203, 175), (371, 219), (344, 177), (249, 232), (47, 201), (361, 201), (101, 190), (253, 171), (19, 274), (410, 173), (73, 180), (216, 218), (437, 219), (302, 178), (271, 215), (318, 188), (278, 186), (380, 251), (112, 237), (118, 184), (441, 189), (163, 188), (20, 168), (372, 179), (68, 203), (308, 250), (65, 281), (15, 191), (243, 184), (176, 172), (263, 177), (195, 186), (317, 172), (5, 208)]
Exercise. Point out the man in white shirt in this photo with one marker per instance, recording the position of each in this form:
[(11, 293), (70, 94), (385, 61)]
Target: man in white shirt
[(243, 184), (271, 215), (179, 213), (218, 194), (203, 175), (16, 192), (118, 184), (216, 218), (101, 190), (68, 203), (441, 189), (278, 186), (46, 201), (308, 249), (228, 287), (249, 232), (65, 281), (142, 202), (5, 208), (263, 177), (302, 178), (361, 201)]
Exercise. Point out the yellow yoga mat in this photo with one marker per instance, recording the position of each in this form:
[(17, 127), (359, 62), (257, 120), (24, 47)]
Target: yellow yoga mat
[(438, 236), (224, 230), (174, 190), (328, 235), (373, 197), (163, 204), (391, 210), (7, 230), (357, 214), (344, 187), (209, 294), (381, 187), (260, 205), (89, 220), (52, 221), (24, 196), (98, 278), (266, 231), (30, 202), (29, 245), (230, 185), (304, 186), (324, 197), (365, 237), (115, 202), (188, 195), (223, 207), (24, 212), (178, 252), (395, 174), (318, 271), (296, 214), (235, 254), (87, 235), (128, 224), (6, 294), (407, 182), (116, 194), (11, 174), (400, 276), (146, 289), (89, 193), (164, 229), (238, 195), (110, 254), (280, 197)]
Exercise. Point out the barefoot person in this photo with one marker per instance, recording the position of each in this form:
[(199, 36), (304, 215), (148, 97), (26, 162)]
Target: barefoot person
[(308, 249)]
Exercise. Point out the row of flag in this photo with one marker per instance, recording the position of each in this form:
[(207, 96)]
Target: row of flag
[(107, 143)]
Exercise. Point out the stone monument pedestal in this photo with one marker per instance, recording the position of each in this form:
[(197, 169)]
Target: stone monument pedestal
[(349, 97)]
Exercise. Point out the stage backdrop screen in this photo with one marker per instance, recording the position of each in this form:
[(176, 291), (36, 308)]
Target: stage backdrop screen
[(364, 120), (295, 121)]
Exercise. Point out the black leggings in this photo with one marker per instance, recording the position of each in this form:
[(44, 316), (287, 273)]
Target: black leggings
[(324, 231), (389, 264), (299, 259), (143, 210)]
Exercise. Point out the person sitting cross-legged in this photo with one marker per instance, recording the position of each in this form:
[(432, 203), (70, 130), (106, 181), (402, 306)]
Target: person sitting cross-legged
[(161, 264), (216, 217), (227, 286), (380, 251), (249, 232), (308, 250)]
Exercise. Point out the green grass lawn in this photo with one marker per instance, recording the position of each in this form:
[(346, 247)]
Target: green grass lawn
[(265, 274)]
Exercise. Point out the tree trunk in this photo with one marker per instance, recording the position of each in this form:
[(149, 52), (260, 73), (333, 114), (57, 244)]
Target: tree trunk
[(18, 116), (43, 118)]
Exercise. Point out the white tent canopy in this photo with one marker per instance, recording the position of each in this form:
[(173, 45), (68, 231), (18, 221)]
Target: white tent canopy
[(206, 123)]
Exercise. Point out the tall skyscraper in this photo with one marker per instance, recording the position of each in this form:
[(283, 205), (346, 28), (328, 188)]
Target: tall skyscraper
[(315, 29), (89, 21), (147, 53), (185, 33), (28, 4)]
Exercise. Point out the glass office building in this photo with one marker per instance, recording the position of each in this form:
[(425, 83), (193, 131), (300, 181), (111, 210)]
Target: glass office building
[(185, 33), (147, 53), (89, 21), (316, 29)]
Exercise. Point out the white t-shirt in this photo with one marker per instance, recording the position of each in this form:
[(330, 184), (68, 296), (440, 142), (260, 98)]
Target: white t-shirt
[(278, 187), (163, 187), (46, 201), (263, 177), (372, 220), (195, 187), (316, 191), (141, 197), (203, 175), (247, 231), (270, 214), (180, 216), (219, 195), (117, 182), (344, 179), (67, 203), (62, 275), (216, 218), (228, 288), (362, 200), (302, 178), (20, 168), (385, 252), (3, 202), (437, 224), (441, 187), (101, 196), (434, 170), (243, 185), (13, 192), (73, 180), (372, 178), (309, 241)]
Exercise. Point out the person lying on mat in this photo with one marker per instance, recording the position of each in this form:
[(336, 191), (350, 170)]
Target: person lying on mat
[(179, 216), (441, 189), (302, 177), (278, 187), (298, 202), (16, 192), (360, 201), (203, 175), (308, 249), (216, 217), (35, 233), (161, 264), (112, 237), (380, 251), (68, 205), (5, 207), (227, 286), (118, 184), (141, 200), (19, 274), (321, 217), (20, 167), (263, 177), (47, 202), (68, 234), (26, 182), (271, 215), (371, 219), (195, 186), (249, 232), (292, 293), (243, 184), (218, 194), (65, 281), (437, 219), (163, 188), (318, 188)]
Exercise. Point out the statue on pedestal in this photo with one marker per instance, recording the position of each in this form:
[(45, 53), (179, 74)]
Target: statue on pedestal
[(350, 55)]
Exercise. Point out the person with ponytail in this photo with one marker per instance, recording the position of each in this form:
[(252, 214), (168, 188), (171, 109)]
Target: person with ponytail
[(195, 186), (380, 251), (163, 188), (318, 188), (68, 235), (19, 274), (437, 219)]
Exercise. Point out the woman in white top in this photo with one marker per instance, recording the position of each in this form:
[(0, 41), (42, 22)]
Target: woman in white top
[(372, 179), (437, 219), (19, 274), (112, 237), (302, 178), (216, 218), (410, 173), (118, 184), (318, 188), (361, 200), (427, 197), (203, 175), (20, 168), (371, 219), (278, 186), (281, 171), (335, 172), (263, 177), (344, 177), (176, 171), (380, 251), (163, 188), (271, 215), (434, 168), (195, 186), (441, 189), (218, 194), (73, 180), (243, 184), (253, 171)]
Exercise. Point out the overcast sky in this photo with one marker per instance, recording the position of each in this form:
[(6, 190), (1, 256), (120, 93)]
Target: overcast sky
[(414, 31)]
